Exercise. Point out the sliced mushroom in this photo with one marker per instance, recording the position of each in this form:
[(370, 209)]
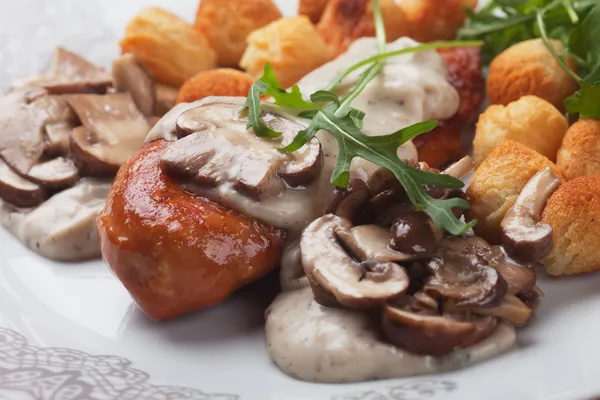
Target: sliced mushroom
[(130, 76), (462, 243), (371, 242), (55, 174), (166, 99), (345, 202), (354, 284), (59, 120), (71, 73), (113, 129), (57, 138), (414, 232), (461, 168), (216, 148), (21, 132), (18, 191), (524, 237), (412, 326), (463, 280), (521, 279), (512, 310)]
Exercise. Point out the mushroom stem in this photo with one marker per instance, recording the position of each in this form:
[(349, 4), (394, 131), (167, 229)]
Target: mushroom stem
[(461, 168), (513, 310)]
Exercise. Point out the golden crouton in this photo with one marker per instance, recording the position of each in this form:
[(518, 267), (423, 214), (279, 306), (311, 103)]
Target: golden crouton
[(297, 50), (498, 182), (216, 82), (530, 120), (528, 68), (580, 151), (170, 48), (228, 23), (431, 20), (344, 21), (573, 211), (313, 9)]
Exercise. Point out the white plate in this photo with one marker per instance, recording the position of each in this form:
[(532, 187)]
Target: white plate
[(70, 331)]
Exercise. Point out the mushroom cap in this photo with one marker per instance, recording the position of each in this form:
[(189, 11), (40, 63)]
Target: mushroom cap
[(573, 211), (18, 191), (410, 325), (354, 285), (498, 182), (56, 174), (524, 237), (345, 202)]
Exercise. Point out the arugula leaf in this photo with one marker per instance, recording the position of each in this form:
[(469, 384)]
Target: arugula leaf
[(281, 96), (252, 104), (586, 102)]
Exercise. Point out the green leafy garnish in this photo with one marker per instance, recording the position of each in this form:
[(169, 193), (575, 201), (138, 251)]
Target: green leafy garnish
[(576, 24), (328, 112)]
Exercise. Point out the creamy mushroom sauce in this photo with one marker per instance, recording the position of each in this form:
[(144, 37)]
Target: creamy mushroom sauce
[(64, 226), (306, 340)]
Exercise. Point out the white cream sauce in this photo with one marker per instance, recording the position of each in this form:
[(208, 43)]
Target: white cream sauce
[(320, 344), (64, 227)]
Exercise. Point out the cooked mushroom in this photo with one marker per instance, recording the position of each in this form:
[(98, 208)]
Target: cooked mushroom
[(511, 310), (18, 191), (412, 326), (413, 232), (59, 120), (130, 76), (57, 138), (461, 243), (356, 285), (113, 129), (524, 237), (21, 132), (56, 174), (218, 149), (521, 279), (461, 168), (166, 98), (371, 242), (462, 279), (71, 73), (345, 202)]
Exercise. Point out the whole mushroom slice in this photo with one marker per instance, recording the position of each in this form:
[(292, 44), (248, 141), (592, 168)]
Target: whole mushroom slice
[(464, 280), (356, 285), (371, 242), (411, 325), (113, 129), (130, 76), (56, 174), (512, 310), (18, 191), (524, 237), (214, 147)]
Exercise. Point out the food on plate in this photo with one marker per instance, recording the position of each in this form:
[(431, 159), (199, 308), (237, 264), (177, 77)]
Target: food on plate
[(431, 20), (530, 120), (528, 68), (215, 82), (67, 124), (201, 252), (579, 154), (573, 212), (227, 24), (497, 183), (166, 98), (297, 51), (313, 9), (344, 21), (171, 49)]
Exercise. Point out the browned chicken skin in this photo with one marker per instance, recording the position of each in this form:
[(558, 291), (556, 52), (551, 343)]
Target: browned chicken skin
[(174, 251)]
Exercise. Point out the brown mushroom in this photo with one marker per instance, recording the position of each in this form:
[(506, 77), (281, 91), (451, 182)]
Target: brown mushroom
[(57, 138), (463, 279), (166, 98), (18, 191), (512, 310), (56, 174), (356, 285), (411, 325), (113, 129), (130, 76), (520, 278), (371, 242), (345, 202), (413, 232), (524, 237), (461, 168), (216, 148)]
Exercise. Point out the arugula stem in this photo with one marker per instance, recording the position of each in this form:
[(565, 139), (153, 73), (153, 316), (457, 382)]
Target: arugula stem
[(367, 77), (379, 27), (571, 11), (395, 53), (552, 50)]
